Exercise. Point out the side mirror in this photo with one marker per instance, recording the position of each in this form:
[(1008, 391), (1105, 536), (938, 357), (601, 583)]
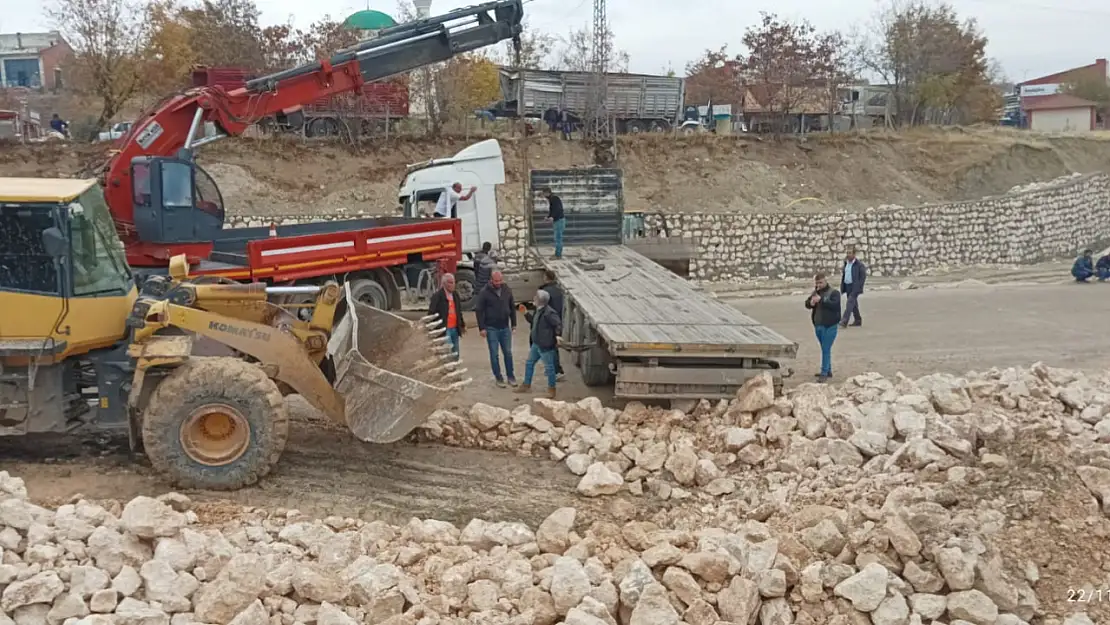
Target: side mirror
[(54, 242)]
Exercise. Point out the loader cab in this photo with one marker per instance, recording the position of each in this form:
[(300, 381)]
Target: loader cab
[(480, 165), (64, 279), (175, 200)]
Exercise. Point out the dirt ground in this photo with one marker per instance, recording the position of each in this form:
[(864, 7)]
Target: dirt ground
[(286, 176), (322, 472)]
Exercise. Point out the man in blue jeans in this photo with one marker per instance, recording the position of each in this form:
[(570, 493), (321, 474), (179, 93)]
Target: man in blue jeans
[(557, 218), (445, 304), (496, 313), (546, 328), (824, 306)]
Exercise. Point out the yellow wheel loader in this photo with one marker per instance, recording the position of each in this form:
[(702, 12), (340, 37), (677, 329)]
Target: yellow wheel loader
[(82, 347)]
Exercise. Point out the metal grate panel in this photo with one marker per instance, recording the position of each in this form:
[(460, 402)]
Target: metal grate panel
[(592, 199)]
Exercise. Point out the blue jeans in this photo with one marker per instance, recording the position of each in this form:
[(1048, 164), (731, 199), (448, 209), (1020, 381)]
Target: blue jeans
[(535, 354), (559, 227), (453, 339), (825, 337), (500, 340), (1103, 274)]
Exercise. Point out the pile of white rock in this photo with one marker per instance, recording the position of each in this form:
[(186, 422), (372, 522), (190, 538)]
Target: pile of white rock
[(150, 562), (869, 428)]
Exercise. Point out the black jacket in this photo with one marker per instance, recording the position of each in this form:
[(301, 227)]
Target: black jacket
[(556, 292), (827, 311), (437, 305), (859, 277), (495, 311), (546, 327), (1103, 263), (555, 208)]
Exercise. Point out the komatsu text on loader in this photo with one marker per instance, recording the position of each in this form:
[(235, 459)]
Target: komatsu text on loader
[(81, 346)]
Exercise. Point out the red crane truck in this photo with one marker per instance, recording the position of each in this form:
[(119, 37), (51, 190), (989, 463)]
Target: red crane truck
[(164, 204)]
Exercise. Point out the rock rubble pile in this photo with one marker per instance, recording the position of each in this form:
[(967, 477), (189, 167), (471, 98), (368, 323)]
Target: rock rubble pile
[(869, 428)]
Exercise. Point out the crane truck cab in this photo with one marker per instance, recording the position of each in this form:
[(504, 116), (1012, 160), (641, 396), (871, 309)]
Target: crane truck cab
[(481, 166)]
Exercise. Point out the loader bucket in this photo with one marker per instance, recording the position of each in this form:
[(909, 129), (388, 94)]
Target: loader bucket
[(393, 373)]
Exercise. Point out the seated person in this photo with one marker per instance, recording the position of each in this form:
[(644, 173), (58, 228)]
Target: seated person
[(1102, 268), (1083, 268)]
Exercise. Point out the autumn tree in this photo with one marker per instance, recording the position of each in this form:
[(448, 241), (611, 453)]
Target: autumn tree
[(225, 33), (716, 76), (464, 84), (168, 53), (107, 37), (936, 64), (790, 65)]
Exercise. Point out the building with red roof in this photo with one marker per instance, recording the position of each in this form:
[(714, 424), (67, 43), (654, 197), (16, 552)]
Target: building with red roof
[(1049, 109)]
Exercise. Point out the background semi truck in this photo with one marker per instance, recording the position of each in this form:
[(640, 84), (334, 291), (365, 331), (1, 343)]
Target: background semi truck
[(637, 102)]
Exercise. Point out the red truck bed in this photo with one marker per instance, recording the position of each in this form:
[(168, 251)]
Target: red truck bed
[(312, 250)]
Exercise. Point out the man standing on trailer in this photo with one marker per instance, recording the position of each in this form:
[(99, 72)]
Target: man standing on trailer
[(558, 219), (447, 205), (496, 313), (853, 276), (444, 303)]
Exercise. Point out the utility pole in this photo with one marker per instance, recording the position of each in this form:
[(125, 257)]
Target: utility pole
[(600, 130)]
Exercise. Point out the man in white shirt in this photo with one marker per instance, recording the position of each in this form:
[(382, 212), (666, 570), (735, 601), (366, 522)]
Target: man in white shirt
[(853, 275), (449, 200)]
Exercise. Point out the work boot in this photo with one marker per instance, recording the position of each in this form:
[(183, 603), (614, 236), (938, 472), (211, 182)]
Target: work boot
[(551, 392), (523, 388)]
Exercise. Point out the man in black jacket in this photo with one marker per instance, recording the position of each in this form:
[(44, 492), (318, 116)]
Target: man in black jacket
[(853, 275), (557, 218), (824, 306), (445, 303), (546, 328), (496, 313), (556, 292)]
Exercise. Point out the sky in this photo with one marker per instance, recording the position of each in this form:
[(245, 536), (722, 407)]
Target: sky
[(1028, 37)]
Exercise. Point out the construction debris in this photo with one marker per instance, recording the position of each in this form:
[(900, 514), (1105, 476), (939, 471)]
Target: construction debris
[(980, 500)]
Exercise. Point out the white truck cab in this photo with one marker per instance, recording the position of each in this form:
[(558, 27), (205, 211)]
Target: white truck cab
[(481, 166)]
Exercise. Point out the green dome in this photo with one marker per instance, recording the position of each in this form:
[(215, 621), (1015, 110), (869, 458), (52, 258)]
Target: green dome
[(369, 20)]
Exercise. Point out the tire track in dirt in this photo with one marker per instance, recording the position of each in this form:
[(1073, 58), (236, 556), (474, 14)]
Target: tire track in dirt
[(321, 473)]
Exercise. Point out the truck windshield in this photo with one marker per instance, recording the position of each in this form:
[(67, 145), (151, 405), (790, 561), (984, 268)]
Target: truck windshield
[(99, 263)]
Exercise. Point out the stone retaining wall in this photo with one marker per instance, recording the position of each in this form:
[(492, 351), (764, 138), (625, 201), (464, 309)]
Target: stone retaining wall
[(1039, 222)]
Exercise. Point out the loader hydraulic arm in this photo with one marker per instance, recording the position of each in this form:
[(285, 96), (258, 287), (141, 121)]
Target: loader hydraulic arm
[(151, 184)]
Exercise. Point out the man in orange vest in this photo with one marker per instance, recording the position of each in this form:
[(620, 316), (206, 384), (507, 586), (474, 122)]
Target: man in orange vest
[(445, 304)]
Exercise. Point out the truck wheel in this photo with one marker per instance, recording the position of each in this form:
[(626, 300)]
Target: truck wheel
[(215, 424), (466, 286), (369, 292), (595, 360), (633, 127), (660, 126)]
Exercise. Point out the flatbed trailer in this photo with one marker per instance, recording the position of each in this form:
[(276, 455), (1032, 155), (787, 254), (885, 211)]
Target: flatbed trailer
[(658, 336)]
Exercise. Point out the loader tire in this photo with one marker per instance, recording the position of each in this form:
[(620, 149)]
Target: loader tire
[(466, 285), (215, 424)]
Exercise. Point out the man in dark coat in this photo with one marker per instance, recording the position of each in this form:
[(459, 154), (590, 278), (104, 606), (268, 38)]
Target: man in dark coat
[(496, 313), (824, 306), (556, 292), (1084, 267), (546, 328), (484, 265), (853, 275), (445, 304)]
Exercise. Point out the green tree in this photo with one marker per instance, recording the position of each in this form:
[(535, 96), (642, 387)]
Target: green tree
[(1093, 89)]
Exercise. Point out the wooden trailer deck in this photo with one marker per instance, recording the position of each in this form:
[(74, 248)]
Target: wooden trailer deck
[(643, 310)]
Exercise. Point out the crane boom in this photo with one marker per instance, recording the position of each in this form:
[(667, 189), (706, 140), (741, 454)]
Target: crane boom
[(163, 204)]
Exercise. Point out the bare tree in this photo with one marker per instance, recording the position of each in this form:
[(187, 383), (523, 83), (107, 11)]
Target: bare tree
[(575, 52), (107, 37)]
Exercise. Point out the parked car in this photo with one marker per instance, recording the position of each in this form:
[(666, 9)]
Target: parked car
[(115, 132)]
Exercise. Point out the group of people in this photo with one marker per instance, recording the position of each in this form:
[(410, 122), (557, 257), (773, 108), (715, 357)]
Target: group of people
[(496, 313), (1086, 268), (824, 304)]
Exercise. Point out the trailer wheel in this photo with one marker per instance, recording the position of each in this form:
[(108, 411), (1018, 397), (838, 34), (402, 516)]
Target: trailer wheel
[(660, 126), (466, 285), (633, 127), (369, 292), (595, 360), (215, 424)]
